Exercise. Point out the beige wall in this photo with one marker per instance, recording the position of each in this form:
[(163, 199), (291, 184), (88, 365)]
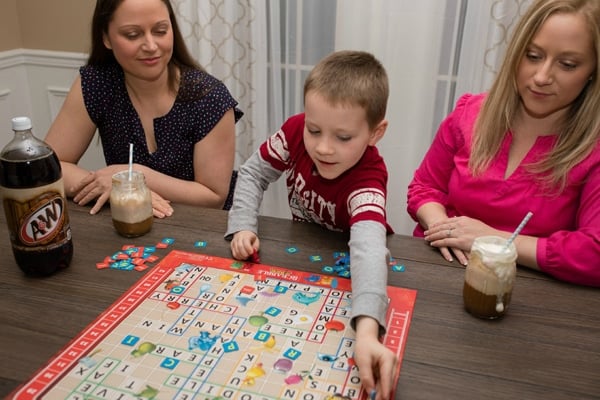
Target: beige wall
[(60, 25), (10, 34)]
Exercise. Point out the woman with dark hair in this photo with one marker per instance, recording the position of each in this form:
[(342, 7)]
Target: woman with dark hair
[(141, 86)]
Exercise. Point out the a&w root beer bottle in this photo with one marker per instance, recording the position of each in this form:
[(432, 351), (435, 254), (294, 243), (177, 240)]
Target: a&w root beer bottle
[(34, 203)]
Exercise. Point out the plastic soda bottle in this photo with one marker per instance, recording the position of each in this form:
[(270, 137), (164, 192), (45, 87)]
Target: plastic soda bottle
[(34, 202)]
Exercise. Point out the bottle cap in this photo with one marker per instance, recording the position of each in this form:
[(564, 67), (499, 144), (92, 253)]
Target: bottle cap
[(21, 123)]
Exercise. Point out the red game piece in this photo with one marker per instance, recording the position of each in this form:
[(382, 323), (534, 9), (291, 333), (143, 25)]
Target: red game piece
[(254, 258)]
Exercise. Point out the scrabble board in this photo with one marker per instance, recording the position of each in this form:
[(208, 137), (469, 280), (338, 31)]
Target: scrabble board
[(202, 327)]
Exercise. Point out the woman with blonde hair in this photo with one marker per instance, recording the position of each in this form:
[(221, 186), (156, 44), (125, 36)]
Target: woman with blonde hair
[(531, 144)]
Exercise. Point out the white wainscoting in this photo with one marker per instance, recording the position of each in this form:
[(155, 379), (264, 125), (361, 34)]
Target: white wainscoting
[(34, 83)]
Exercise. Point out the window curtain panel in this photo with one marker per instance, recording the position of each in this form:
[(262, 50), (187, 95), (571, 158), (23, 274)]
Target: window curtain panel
[(227, 37), (488, 26), (433, 50)]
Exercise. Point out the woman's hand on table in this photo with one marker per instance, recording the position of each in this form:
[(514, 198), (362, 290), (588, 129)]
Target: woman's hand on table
[(456, 235), (95, 185), (161, 207)]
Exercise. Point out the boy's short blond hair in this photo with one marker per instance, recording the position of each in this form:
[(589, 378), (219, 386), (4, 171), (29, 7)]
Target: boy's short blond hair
[(353, 78)]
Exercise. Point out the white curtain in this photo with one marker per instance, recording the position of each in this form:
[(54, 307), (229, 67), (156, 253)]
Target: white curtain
[(488, 24), (406, 36), (228, 39), (263, 49)]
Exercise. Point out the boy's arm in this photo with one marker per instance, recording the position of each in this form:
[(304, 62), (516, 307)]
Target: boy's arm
[(368, 262), (254, 177)]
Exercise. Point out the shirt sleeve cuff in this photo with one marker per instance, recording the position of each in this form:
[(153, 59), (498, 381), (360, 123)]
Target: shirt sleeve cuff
[(370, 305)]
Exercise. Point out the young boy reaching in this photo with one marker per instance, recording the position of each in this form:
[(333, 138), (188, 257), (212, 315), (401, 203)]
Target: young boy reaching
[(337, 179)]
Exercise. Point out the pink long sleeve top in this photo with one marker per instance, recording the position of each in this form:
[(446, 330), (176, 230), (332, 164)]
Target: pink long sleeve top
[(567, 224)]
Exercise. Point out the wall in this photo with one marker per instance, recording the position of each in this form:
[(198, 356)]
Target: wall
[(60, 25), (42, 45), (10, 33)]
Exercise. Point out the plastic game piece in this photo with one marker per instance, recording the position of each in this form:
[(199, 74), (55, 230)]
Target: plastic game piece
[(244, 300), (270, 343), (343, 260), (302, 319), (260, 277), (143, 348), (326, 357), (204, 288), (398, 268), (183, 268), (257, 320), (335, 325), (292, 250), (253, 373), (254, 258), (88, 361), (148, 393), (268, 293), (168, 241), (247, 289), (305, 298), (204, 341), (171, 283), (293, 379), (344, 274), (283, 365)]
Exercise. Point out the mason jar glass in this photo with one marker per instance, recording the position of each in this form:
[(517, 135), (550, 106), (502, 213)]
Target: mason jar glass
[(489, 277), (131, 204)]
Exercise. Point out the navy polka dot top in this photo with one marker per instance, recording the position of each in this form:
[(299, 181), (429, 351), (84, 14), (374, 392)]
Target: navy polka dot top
[(201, 102)]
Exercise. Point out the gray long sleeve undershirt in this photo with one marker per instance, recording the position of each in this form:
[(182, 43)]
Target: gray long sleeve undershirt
[(254, 177)]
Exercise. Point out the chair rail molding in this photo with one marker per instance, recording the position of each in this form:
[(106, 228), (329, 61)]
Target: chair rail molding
[(35, 83)]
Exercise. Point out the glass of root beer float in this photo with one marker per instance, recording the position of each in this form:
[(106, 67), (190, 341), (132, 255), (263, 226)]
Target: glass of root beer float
[(131, 204), (489, 277)]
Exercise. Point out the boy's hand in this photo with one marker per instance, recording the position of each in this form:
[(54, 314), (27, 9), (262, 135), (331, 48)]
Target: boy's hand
[(376, 363), (244, 244)]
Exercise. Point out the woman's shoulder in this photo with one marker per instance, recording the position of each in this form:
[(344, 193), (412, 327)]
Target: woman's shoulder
[(195, 84), (105, 72), (103, 89), (470, 102), (465, 111)]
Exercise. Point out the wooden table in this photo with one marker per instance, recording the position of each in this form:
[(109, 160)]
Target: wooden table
[(547, 347)]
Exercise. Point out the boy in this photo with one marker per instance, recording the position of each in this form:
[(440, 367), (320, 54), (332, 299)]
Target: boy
[(337, 179)]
